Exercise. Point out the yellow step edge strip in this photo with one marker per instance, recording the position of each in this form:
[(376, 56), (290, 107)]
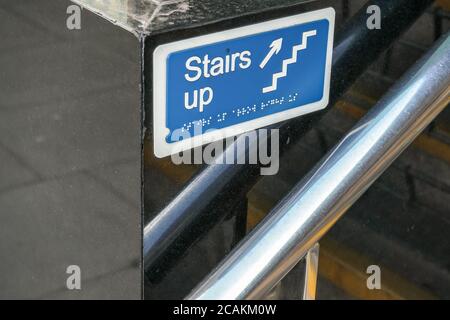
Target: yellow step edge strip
[(424, 142), (177, 173), (444, 4), (342, 266)]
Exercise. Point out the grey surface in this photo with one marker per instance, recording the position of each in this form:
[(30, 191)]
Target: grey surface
[(69, 154)]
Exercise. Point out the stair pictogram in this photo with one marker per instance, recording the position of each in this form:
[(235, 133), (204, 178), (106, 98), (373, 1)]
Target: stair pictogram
[(303, 45)]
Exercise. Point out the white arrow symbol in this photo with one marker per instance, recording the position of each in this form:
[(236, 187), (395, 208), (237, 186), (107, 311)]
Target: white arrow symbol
[(275, 48)]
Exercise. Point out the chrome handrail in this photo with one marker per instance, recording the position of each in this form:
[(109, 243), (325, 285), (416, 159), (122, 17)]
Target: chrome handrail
[(266, 255), (216, 189)]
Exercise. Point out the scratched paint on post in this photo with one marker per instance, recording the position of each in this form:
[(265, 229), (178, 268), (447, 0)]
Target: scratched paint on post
[(218, 85)]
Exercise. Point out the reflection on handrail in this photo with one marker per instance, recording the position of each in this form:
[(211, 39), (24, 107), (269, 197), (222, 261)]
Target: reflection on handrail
[(320, 199), (217, 189)]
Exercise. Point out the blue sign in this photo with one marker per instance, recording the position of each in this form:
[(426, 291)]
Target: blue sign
[(223, 84)]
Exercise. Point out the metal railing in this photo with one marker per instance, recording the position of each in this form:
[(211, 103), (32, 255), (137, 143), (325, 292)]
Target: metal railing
[(324, 195), (197, 204)]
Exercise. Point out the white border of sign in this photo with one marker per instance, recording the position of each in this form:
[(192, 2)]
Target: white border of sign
[(162, 148)]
